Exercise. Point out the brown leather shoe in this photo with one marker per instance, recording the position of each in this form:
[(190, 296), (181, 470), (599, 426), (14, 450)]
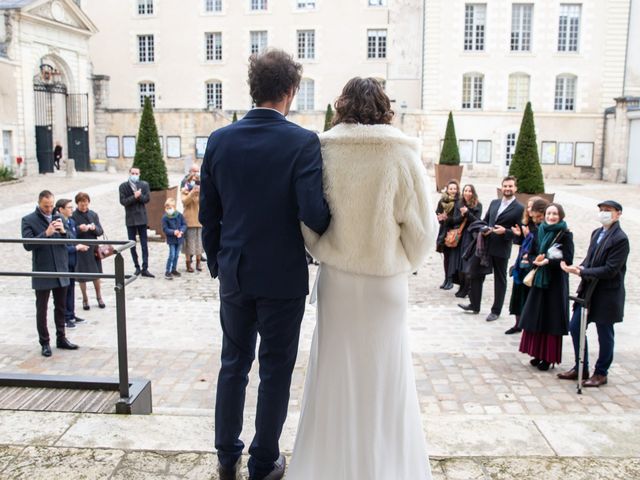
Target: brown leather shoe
[(573, 375), (229, 473), (595, 381)]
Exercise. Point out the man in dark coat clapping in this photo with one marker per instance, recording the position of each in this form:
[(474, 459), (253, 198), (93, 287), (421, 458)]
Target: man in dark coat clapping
[(605, 263), (43, 223)]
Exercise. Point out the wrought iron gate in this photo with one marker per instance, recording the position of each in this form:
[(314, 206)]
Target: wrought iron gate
[(43, 99), (78, 129)]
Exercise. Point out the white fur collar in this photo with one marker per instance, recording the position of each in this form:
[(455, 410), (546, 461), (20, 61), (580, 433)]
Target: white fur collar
[(357, 133)]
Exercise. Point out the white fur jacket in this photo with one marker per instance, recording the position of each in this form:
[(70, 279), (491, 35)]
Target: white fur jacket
[(382, 221)]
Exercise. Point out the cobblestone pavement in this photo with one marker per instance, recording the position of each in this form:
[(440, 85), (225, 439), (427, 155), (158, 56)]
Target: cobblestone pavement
[(464, 365)]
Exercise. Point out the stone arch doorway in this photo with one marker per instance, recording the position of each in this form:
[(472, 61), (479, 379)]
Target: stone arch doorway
[(61, 118)]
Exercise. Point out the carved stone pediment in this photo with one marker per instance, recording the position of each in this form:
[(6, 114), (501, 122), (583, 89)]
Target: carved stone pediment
[(59, 11)]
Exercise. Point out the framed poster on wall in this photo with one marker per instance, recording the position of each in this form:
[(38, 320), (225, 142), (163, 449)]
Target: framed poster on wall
[(128, 147), (173, 147), (466, 151), (201, 146), (584, 154), (548, 153), (113, 147), (565, 153), (483, 151)]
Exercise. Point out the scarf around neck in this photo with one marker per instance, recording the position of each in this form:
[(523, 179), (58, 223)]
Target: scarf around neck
[(547, 235), (447, 203)]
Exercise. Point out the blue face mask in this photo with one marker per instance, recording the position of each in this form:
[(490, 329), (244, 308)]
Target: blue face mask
[(134, 178)]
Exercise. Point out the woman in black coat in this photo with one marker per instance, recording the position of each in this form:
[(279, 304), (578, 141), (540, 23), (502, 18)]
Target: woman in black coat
[(525, 237), (449, 216), (88, 225), (471, 211), (545, 316)]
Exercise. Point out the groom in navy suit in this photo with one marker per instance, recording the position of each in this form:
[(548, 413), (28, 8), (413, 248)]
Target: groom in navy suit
[(260, 178)]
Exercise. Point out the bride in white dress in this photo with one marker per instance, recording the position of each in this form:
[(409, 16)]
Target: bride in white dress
[(360, 416)]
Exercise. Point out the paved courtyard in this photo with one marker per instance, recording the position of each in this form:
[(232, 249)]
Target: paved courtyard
[(469, 374)]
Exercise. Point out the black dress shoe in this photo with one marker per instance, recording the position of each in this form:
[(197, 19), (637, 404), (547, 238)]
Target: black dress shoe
[(65, 344), (78, 319), (69, 324), (229, 473), (448, 285), (544, 366), (513, 330), (491, 317), (278, 471), (468, 308), (148, 274), (534, 362), (46, 350), (137, 272)]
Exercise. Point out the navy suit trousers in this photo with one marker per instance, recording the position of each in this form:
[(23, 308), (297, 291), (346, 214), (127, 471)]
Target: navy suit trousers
[(277, 321), (605, 340)]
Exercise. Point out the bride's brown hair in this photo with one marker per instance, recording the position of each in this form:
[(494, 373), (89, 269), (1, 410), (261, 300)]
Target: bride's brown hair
[(363, 101)]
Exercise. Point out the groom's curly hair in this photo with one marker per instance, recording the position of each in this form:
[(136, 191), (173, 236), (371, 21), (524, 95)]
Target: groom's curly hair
[(272, 75), (363, 100)]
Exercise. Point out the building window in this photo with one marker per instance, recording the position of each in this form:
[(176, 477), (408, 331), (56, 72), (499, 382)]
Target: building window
[(521, 20), (475, 15), (213, 5), (377, 3), (510, 148), (147, 89), (214, 94), (146, 50), (306, 4), (306, 44), (145, 7), (518, 91), (306, 95), (258, 4), (569, 27), (376, 44), (258, 41), (213, 45), (472, 91), (565, 98)]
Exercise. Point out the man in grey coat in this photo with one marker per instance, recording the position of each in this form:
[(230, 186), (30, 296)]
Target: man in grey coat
[(43, 223), (134, 195)]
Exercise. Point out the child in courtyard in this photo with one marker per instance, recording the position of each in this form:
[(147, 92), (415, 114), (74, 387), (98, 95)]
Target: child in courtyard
[(174, 227)]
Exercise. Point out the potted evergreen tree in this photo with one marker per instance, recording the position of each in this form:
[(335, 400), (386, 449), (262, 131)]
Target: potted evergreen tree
[(153, 170), (328, 118), (525, 164), (235, 117), (448, 168)]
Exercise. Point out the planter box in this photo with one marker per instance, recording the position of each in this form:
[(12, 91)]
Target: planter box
[(523, 198), (155, 208), (444, 173)]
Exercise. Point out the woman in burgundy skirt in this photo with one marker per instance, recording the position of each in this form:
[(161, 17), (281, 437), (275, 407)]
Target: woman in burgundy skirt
[(545, 315)]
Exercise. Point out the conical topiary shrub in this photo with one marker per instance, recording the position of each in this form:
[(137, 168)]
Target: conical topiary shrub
[(525, 165), (450, 154), (328, 118), (235, 117), (148, 156)]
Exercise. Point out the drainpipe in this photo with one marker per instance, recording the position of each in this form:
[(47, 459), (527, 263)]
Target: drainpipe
[(626, 52), (607, 112)]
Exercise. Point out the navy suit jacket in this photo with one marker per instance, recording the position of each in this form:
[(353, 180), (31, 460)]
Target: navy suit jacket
[(261, 177), (500, 245)]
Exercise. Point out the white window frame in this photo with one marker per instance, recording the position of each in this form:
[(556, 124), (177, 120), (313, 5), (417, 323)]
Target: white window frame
[(475, 27), (145, 8), (569, 27), (212, 6), (472, 91), (306, 44), (258, 41), (146, 48), (519, 91), (306, 95), (213, 46), (213, 92), (306, 4), (565, 93), (147, 89), (258, 5), (510, 147), (521, 27), (376, 43)]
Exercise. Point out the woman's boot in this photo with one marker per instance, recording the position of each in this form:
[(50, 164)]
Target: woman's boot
[(189, 267), (198, 263), (448, 284)]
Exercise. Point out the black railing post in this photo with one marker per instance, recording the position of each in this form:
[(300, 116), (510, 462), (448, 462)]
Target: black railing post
[(121, 322)]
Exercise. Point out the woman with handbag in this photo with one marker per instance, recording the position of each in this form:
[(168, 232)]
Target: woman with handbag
[(524, 235), (545, 315), (89, 227), (471, 211), (450, 218)]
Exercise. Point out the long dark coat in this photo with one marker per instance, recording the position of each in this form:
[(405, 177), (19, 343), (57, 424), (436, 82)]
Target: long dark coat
[(45, 258), (547, 309), (473, 214), (135, 209), (608, 263), (87, 261)]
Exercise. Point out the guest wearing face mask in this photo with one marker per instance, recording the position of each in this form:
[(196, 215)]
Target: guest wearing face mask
[(134, 195), (545, 315), (606, 263), (190, 193), (174, 228)]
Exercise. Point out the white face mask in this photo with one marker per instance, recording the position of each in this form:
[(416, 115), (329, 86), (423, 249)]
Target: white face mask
[(605, 218), (170, 211)]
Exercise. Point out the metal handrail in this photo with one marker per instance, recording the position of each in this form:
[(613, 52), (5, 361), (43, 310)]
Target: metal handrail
[(121, 281)]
